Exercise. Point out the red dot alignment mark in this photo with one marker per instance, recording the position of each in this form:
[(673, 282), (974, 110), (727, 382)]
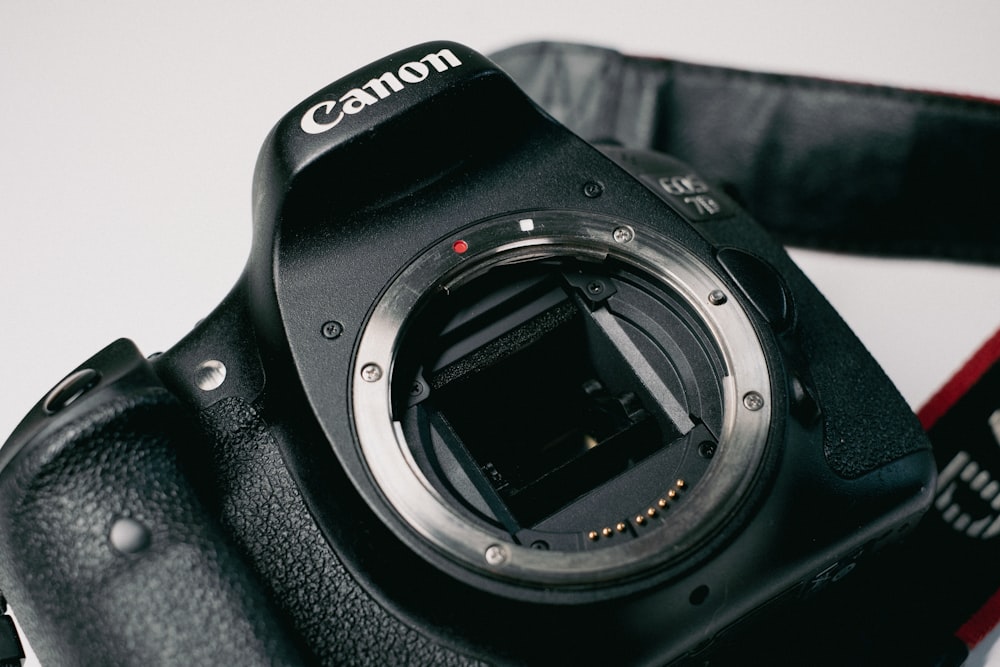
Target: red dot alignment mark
[(460, 246)]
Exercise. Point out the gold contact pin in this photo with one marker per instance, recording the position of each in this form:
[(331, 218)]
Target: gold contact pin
[(662, 503), (640, 519), (651, 512), (620, 527), (671, 494), (592, 536), (607, 532), (681, 484)]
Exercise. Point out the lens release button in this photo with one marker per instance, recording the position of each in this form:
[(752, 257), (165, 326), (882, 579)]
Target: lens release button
[(761, 284)]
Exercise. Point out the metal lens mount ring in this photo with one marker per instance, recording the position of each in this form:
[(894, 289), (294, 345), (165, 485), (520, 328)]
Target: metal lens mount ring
[(434, 518)]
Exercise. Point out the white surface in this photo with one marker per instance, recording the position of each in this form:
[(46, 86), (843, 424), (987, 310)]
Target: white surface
[(128, 134)]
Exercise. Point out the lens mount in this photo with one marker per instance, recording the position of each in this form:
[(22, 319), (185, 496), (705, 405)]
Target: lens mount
[(560, 400)]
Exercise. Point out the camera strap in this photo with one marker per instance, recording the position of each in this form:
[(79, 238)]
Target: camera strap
[(963, 421), (11, 650), (820, 163), (845, 167)]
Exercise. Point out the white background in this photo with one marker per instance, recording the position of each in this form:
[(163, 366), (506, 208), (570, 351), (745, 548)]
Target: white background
[(128, 134)]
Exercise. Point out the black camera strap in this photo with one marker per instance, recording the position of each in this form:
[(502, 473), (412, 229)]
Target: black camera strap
[(819, 163), (845, 167), (11, 651), (963, 420)]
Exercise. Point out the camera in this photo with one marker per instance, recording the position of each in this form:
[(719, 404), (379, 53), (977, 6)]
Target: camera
[(485, 392)]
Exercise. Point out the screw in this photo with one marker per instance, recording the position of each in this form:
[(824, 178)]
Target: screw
[(717, 297), (210, 375), (332, 329), (416, 389), (753, 401), (495, 555), (707, 450), (371, 373), (623, 234), (593, 189), (595, 288)]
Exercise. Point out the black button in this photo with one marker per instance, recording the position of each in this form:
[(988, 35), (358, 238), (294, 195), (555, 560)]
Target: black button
[(803, 403), (761, 284)]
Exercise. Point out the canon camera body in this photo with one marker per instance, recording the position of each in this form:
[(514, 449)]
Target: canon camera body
[(484, 392)]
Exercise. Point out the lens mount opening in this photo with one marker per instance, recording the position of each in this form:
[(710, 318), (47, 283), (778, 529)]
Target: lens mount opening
[(559, 402)]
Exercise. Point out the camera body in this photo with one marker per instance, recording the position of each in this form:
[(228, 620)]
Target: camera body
[(484, 392)]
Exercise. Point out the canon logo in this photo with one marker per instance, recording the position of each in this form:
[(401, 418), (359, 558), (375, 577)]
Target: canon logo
[(356, 99)]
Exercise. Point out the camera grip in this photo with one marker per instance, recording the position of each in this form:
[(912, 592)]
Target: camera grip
[(111, 556)]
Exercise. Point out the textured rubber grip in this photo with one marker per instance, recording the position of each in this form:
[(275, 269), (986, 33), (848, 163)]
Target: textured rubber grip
[(109, 556)]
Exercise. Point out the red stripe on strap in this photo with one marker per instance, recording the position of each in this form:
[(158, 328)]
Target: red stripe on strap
[(981, 623), (960, 383)]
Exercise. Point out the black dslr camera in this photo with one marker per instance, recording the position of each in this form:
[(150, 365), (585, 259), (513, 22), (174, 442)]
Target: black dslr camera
[(484, 392)]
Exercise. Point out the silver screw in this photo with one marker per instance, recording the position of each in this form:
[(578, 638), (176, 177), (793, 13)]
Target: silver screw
[(753, 401), (371, 373), (623, 234), (717, 297), (210, 375), (495, 555)]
